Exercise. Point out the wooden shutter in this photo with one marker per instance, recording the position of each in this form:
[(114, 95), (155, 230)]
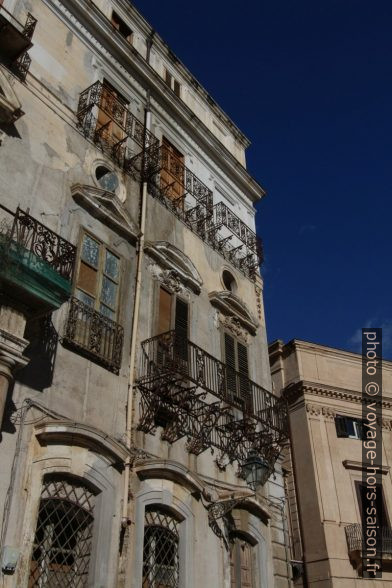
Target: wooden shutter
[(341, 426), (181, 328), (165, 305), (243, 368), (172, 172), (181, 320), (113, 132), (231, 383)]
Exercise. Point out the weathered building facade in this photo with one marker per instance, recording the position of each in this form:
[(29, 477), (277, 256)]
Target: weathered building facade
[(134, 378), (325, 485)]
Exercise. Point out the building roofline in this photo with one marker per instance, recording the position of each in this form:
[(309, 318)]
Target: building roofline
[(197, 86), (301, 343)]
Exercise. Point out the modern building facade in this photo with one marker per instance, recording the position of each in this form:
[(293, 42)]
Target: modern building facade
[(135, 390), (323, 387)]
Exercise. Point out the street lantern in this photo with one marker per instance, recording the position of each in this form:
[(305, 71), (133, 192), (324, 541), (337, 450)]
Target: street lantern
[(255, 470)]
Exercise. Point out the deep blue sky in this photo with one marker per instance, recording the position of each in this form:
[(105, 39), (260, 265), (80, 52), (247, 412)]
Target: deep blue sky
[(310, 83)]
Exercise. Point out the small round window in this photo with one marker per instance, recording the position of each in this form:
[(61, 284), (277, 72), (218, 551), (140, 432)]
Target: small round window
[(106, 178), (229, 281)]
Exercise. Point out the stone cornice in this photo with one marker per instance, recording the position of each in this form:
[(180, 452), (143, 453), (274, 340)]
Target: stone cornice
[(298, 389), (82, 17)]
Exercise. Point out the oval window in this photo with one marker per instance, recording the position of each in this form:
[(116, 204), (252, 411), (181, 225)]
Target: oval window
[(106, 178)]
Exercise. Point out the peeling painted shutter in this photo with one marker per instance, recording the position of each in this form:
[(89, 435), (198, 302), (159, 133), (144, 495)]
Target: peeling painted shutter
[(341, 426), (165, 304)]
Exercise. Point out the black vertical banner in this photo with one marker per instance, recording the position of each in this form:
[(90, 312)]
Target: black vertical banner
[(371, 492)]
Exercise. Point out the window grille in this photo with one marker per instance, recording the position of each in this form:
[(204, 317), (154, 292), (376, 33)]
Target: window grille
[(160, 550), (63, 537)]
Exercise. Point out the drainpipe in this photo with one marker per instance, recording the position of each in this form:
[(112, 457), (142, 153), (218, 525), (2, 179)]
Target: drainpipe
[(135, 324)]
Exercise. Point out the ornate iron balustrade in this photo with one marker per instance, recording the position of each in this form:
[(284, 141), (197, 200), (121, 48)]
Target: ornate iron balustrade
[(33, 236), (191, 393), (227, 218), (356, 542), (190, 200), (29, 27), (15, 42), (27, 30), (99, 98), (94, 334)]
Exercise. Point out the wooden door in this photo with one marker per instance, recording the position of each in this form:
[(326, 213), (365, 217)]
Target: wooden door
[(172, 172), (241, 565)]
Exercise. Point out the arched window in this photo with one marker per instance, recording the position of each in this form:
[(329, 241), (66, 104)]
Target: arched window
[(242, 566), (63, 537), (160, 549)]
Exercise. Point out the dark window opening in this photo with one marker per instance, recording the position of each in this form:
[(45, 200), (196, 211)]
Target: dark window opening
[(122, 28), (349, 427)]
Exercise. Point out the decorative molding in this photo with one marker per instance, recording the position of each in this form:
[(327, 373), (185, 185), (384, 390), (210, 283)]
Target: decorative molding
[(358, 465), (106, 207), (166, 469), (232, 306), (319, 410), (82, 435), (294, 391), (233, 325), (174, 268)]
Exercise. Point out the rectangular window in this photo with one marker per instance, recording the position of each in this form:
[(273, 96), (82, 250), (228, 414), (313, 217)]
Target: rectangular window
[(121, 27), (349, 427), (379, 502), (111, 115), (237, 369), (173, 313), (172, 173), (98, 277), (172, 83)]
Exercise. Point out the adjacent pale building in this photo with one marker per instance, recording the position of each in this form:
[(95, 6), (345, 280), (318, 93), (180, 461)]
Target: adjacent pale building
[(324, 468), (135, 390)]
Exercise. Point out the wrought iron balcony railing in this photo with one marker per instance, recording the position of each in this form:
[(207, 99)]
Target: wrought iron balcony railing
[(94, 335), (356, 542), (15, 40), (32, 236), (105, 120), (180, 190), (191, 393)]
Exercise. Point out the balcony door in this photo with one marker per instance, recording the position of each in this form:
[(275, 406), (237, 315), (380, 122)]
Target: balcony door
[(173, 314), (237, 371), (172, 173), (111, 115)]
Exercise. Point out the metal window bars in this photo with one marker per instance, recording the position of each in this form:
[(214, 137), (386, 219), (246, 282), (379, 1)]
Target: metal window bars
[(160, 550), (63, 537), (95, 335), (187, 392), (27, 233)]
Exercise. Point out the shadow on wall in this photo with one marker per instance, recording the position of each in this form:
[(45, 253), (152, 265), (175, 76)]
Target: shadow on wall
[(42, 350)]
